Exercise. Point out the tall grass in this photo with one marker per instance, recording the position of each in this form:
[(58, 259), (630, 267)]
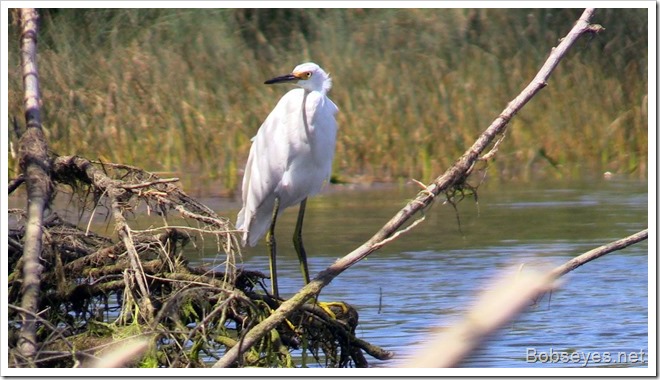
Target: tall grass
[(180, 90)]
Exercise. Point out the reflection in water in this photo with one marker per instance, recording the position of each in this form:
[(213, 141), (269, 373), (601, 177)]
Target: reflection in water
[(429, 277)]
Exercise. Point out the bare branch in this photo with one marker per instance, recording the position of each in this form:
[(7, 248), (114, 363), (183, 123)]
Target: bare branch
[(35, 166), (455, 175), (147, 184), (598, 252), (493, 309), (508, 298), (15, 183)]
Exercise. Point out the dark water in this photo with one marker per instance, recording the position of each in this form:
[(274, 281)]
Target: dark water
[(429, 277)]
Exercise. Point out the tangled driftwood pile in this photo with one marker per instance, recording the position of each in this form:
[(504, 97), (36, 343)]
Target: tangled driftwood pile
[(96, 291)]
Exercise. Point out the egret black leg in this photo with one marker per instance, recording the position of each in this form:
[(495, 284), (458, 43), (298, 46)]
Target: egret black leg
[(298, 243), (270, 241), (302, 257)]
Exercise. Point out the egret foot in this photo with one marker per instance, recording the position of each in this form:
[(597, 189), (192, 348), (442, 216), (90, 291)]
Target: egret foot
[(341, 308)]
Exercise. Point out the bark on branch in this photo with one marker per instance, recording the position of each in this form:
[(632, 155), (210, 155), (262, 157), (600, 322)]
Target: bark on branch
[(35, 166), (454, 178)]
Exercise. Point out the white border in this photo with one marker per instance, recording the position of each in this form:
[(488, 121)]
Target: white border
[(379, 372)]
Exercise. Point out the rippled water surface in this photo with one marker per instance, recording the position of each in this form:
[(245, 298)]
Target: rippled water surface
[(429, 277)]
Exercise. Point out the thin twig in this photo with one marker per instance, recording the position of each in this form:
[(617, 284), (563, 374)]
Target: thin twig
[(147, 184), (186, 228), (45, 322), (399, 233)]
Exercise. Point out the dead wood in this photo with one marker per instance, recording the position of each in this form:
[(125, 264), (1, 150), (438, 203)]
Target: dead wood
[(91, 283), (35, 169)]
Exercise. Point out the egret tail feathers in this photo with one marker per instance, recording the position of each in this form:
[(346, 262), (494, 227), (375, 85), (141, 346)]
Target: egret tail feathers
[(254, 226)]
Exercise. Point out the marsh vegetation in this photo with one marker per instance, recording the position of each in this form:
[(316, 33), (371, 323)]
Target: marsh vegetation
[(414, 87)]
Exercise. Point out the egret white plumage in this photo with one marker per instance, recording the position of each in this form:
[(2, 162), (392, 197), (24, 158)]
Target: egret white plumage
[(290, 160)]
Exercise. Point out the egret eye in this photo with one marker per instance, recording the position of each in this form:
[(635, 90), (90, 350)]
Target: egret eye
[(308, 74)]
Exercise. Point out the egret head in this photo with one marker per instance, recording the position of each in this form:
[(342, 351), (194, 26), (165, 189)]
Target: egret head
[(308, 76)]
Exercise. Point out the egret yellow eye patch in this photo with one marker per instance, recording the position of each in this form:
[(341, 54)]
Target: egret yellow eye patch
[(304, 75)]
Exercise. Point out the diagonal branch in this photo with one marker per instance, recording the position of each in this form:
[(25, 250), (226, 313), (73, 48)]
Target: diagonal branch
[(512, 295), (595, 253), (454, 176)]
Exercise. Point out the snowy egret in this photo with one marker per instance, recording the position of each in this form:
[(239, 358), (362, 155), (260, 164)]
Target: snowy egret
[(290, 160)]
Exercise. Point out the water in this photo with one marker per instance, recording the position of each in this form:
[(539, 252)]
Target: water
[(429, 277)]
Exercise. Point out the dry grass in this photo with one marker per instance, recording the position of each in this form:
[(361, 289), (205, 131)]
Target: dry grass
[(180, 90)]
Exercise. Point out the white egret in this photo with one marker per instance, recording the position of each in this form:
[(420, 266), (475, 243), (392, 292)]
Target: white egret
[(290, 160)]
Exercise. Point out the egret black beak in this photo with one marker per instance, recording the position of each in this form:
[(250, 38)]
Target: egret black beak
[(283, 79)]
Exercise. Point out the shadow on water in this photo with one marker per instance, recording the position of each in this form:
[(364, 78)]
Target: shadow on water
[(428, 278)]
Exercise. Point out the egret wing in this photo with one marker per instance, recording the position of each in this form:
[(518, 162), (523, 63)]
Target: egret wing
[(266, 165)]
